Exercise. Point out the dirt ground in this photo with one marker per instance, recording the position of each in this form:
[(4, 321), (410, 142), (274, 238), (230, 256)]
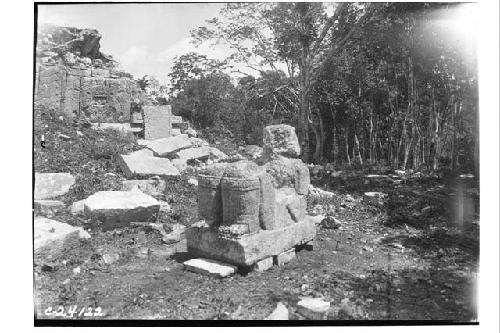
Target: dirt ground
[(415, 258)]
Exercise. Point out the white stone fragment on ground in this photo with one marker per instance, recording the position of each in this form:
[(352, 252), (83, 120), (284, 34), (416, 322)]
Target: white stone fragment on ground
[(53, 234), (193, 181), (49, 206), (166, 146), (175, 132), (317, 192), (374, 198), (285, 257), (51, 185), (280, 313), (179, 164), (77, 207), (64, 137), (175, 235), (210, 267), (142, 164), (264, 264), (317, 218), (110, 258), (123, 127), (313, 308), (119, 208)]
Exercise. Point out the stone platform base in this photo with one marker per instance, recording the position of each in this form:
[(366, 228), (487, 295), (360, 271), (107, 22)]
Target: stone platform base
[(248, 249)]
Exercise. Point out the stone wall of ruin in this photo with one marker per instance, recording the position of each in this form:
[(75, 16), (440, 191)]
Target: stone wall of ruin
[(102, 95)]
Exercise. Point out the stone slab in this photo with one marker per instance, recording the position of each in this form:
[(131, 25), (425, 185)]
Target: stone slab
[(49, 206), (210, 267), (264, 264), (119, 208), (53, 235), (51, 185), (167, 146), (250, 248), (280, 313), (142, 165), (313, 308), (190, 154), (284, 257), (157, 121), (280, 140)]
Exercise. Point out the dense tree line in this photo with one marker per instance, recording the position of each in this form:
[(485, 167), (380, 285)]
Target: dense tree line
[(362, 83)]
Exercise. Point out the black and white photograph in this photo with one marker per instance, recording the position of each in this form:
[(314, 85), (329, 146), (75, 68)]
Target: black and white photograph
[(263, 163)]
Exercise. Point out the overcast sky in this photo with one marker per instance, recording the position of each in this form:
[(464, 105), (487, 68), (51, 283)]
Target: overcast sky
[(144, 38)]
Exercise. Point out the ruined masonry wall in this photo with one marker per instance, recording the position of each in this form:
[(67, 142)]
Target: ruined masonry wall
[(99, 94)]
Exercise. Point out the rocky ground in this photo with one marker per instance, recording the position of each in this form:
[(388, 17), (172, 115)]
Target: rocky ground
[(404, 257)]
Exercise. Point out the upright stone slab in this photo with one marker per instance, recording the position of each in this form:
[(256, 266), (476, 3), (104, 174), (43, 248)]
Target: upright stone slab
[(157, 122), (51, 185), (281, 140), (119, 208)]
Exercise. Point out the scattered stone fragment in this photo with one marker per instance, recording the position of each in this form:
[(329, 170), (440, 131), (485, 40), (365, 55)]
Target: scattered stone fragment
[(283, 258), (164, 207), (54, 235), (51, 185), (330, 222), (317, 218), (110, 258), (77, 208), (179, 164), (317, 192), (142, 164), (280, 313), (49, 206), (77, 270), (374, 198), (149, 186), (166, 146), (64, 137), (191, 133), (313, 308), (264, 264), (210, 267), (123, 127), (426, 209), (175, 132), (119, 208), (175, 235), (193, 181)]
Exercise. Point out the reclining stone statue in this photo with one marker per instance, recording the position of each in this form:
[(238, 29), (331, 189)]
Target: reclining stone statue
[(251, 211)]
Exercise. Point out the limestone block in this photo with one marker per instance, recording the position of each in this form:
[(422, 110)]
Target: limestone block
[(77, 208), (181, 165), (264, 264), (284, 257), (374, 198), (53, 236), (141, 164), (49, 206), (167, 146), (70, 102), (200, 153), (51, 185), (119, 208), (249, 248), (313, 308), (50, 86), (157, 121), (280, 313), (280, 140), (210, 267)]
